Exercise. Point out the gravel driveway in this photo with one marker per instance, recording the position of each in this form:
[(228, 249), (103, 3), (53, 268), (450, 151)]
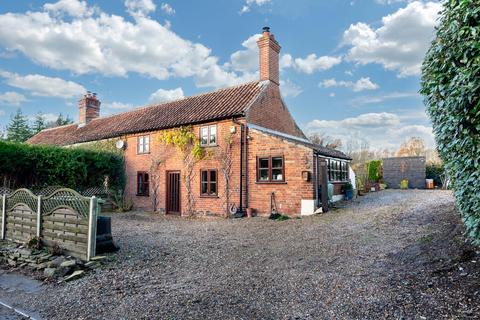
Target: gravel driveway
[(391, 254)]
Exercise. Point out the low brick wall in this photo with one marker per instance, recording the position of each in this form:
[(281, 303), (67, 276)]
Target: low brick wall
[(399, 168)]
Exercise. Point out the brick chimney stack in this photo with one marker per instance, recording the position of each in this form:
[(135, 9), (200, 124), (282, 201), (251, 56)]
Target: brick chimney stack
[(89, 107), (269, 56)]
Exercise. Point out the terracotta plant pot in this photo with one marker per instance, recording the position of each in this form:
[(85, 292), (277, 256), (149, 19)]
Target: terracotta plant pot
[(249, 212)]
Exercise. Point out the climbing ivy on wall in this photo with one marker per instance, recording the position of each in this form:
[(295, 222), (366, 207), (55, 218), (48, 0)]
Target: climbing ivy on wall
[(374, 170), (189, 147), (451, 90)]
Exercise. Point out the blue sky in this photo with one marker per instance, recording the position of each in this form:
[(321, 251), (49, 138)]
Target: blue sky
[(349, 69)]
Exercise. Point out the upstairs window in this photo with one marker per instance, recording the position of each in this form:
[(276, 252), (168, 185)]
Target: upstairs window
[(142, 183), (208, 135), (143, 144), (208, 183), (270, 169)]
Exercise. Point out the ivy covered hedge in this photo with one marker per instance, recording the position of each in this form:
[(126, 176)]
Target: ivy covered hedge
[(451, 89), (23, 165), (375, 170)]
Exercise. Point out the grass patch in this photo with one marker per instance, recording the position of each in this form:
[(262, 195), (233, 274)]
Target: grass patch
[(426, 239), (279, 217)]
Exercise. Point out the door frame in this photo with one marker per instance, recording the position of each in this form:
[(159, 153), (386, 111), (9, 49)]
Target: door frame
[(167, 192)]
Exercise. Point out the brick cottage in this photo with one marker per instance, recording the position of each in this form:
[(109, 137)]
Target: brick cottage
[(273, 164)]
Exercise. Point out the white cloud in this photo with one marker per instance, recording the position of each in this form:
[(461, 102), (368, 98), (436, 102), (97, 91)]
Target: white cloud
[(167, 9), (48, 117), (2, 113), (117, 105), (383, 130), (74, 8), (246, 60), (312, 63), (365, 100), (110, 45), (40, 85), (391, 1), (286, 61), (289, 89), (12, 98), (357, 86), (140, 7), (400, 43), (249, 3), (162, 95)]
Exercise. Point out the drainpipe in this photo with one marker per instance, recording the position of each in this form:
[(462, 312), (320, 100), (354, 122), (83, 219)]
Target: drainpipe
[(316, 180), (246, 166), (240, 206)]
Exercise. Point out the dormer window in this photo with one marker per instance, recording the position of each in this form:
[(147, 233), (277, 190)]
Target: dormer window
[(208, 136), (143, 144)]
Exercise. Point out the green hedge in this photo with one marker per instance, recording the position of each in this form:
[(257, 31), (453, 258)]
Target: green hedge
[(375, 170), (451, 88), (435, 171), (23, 165)]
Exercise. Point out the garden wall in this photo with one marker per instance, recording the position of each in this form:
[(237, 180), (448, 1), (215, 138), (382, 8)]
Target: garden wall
[(398, 168)]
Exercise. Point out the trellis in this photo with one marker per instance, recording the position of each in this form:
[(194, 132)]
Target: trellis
[(64, 218)]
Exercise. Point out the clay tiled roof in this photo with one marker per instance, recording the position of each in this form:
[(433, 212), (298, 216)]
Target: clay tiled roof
[(221, 104)]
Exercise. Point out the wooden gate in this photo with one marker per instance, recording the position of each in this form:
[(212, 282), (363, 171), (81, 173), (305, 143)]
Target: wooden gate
[(173, 192)]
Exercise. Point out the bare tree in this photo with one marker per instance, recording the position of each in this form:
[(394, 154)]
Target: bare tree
[(325, 141), (414, 146)]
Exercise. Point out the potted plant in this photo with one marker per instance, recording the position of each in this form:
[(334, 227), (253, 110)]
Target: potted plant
[(348, 189)]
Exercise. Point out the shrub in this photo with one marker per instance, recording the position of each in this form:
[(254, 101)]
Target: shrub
[(374, 170), (435, 172), (451, 90), (23, 165)]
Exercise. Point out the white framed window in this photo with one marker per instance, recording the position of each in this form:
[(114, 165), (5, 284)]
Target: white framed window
[(143, 144), (208, 135)]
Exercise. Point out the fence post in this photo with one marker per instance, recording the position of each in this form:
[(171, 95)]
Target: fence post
[(4, 214), (92, 228), (39, 215)]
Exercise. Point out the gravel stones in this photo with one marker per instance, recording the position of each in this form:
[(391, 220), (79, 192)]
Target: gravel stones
[(390, 254)]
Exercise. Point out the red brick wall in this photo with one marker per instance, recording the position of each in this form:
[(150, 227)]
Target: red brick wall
[(288, 195), (270, 112), (171, 160)]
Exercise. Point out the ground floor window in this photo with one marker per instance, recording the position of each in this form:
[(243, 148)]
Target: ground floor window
[(142, 183), (208, 183), (337, 170), (270, 169)]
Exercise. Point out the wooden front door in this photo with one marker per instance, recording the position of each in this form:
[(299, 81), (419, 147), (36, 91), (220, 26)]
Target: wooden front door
[(173, 192)]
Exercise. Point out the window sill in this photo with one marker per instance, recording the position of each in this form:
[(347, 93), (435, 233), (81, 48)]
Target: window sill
[(208, 145), (142, 153), (142, 195), (209, 197), (271, 182)]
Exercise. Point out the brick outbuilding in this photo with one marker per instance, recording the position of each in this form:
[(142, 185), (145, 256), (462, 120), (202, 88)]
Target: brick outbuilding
[(273, 164)]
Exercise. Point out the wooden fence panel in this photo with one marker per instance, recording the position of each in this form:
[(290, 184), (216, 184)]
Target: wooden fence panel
[(67, 229), (21, 223), (64, 218)]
